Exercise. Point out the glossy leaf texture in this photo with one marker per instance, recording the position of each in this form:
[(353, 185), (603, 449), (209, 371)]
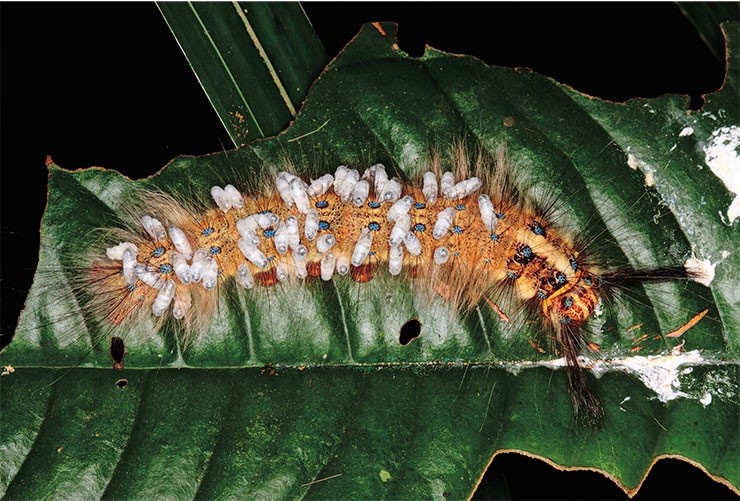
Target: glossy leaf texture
[(307, 392)]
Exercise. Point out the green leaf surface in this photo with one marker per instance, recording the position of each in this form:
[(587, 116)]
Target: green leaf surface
[(344, 410), (255, 60)]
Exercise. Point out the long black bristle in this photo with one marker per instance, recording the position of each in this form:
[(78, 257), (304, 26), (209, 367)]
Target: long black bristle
[(629, 277)]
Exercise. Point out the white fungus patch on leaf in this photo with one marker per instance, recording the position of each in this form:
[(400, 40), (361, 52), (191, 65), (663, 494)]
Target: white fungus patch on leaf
[(702, 270), (722, 155)]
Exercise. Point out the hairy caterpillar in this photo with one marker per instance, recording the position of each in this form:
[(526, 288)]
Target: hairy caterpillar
[(461, 231), (271, 291)]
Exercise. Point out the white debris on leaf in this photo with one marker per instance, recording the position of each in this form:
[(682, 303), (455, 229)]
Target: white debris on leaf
[(409, 156), (700, 270), (631, 161), (686, 131), (660, 373), (649, 178), (634, 163), (721, 154)]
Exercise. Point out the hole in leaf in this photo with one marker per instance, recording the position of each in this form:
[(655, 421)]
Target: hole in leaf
[(122, 383), (696, 102), (409, 331), (117, 352)]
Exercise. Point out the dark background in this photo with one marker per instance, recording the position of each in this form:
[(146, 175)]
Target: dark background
[(107, 85)]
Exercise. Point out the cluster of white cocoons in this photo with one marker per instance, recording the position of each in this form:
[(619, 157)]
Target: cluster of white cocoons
[(187, 266), (200, 266)]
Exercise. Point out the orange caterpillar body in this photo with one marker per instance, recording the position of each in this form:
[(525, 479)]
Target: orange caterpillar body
[(466, 235), (262, 241)]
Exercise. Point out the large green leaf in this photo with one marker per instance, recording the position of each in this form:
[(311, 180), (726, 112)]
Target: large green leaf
[(348, 411)]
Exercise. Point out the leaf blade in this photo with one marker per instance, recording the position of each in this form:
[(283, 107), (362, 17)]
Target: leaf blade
[(254, 61)]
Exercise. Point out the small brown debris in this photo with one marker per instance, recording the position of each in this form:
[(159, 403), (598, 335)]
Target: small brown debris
[(380, 29), (640, 339), (688, 325), (534, 344), (501, 314)]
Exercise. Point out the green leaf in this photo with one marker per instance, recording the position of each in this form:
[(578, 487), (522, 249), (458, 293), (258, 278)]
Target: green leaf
[(255, 60), (344, 410)]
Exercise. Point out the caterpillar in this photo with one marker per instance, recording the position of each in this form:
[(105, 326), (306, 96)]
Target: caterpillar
[(464, 231)]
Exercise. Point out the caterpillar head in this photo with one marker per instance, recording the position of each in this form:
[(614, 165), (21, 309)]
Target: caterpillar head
[(574, 303)]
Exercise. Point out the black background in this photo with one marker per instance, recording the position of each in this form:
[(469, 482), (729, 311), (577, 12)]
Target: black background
[(107, 85)]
